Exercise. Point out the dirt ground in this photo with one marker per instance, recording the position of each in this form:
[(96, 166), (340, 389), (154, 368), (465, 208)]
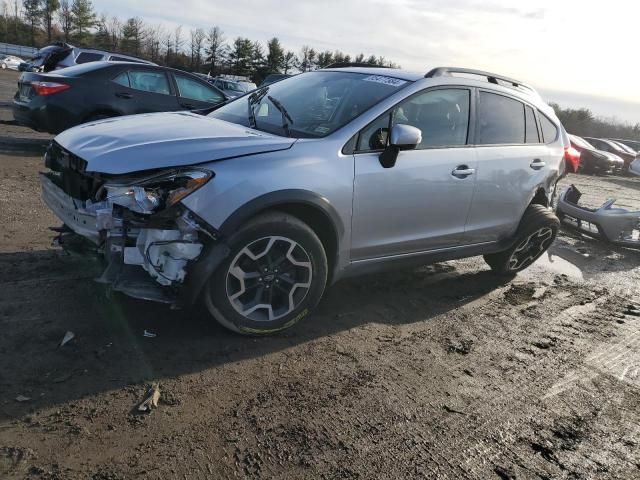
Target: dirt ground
[(438, 372)]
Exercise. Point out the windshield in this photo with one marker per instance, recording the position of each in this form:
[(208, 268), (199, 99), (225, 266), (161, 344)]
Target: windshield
[(317, 103)]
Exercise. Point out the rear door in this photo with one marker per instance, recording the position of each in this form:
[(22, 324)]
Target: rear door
[(512, 162), (194, 94), (141, 90)]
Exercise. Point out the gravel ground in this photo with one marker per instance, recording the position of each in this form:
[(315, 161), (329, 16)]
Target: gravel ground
[(443, 371)]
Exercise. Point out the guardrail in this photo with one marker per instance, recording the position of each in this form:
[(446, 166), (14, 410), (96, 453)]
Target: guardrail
[(17, 50)]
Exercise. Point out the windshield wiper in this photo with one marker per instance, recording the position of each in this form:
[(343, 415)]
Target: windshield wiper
[(285, 115), (252, 100)]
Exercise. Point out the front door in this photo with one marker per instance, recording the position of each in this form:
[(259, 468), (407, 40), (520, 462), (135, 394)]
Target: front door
[(422, 202)]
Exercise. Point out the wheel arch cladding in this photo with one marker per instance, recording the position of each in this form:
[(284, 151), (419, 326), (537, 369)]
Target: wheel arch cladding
[(309, 207)]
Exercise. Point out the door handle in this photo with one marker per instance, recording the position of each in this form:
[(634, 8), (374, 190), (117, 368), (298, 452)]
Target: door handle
[(124, 95), (537, 164), (463, 171)]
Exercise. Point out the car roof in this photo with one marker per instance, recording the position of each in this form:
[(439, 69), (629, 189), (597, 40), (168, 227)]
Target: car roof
[(386, 72)]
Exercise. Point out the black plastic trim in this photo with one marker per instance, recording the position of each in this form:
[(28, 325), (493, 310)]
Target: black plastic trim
[(281, 197)]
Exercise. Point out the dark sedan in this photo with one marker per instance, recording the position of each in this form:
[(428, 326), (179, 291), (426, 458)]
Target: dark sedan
[(52, 102), (611, 147), (593, 160)]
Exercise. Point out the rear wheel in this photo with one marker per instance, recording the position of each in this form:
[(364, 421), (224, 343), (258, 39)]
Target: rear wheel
[(537, 231), (274, 275)]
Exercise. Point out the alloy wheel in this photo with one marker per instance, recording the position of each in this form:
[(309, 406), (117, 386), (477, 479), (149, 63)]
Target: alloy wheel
[(530, 249), (269, 278)]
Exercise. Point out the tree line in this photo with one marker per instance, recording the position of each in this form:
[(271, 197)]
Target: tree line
[(39, 22), (583, 122)]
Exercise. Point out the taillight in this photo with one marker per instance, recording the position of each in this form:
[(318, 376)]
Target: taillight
[(48, 88), (572, 158)]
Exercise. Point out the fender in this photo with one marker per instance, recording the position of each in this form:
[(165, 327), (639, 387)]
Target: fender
[(215, 253), (282, 197)]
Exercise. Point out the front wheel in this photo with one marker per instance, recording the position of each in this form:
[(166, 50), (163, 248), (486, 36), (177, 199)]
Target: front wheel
[(537, 231), (275, 274)]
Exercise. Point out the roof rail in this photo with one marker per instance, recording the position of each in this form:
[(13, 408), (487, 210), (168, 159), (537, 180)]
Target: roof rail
[(491, 77), (353, 64)]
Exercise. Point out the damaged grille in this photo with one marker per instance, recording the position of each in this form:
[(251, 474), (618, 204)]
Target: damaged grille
[(70, 173)]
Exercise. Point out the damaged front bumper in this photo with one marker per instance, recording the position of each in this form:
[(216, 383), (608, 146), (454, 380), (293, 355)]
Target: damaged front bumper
[(148, 256), (615, 225)]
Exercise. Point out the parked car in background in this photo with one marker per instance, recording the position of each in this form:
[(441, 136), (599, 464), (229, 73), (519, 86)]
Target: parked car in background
[(634, 168), (233, 88), (611, 147), (626, 148), (629, 143), (259, 206), (273, 78), (62, 55), (55, 101), (594, 161), (10, 62)]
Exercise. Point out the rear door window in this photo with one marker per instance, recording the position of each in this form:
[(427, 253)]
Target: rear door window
[(194, 90), (86, 57), (531, 129), (148, 81), (549, 130), (501, 120)]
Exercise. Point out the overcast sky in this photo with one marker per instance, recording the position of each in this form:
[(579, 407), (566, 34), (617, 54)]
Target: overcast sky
[(578, 53)]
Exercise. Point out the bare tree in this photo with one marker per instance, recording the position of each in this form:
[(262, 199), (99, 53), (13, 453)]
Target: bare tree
[(197, 43), (155, 34), (216, 49), (50, 7), (114, 28), (65, 16)]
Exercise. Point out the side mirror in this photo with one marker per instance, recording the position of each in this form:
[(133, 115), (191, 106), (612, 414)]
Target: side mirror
[(403, 137)]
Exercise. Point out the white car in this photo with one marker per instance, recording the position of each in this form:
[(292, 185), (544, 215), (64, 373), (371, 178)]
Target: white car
[(11, 62), (634, 168)]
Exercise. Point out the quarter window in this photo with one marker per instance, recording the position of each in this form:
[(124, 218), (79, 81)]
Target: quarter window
[(441, 115), (147, 81), (189, 88), (531, 134), (86, 57), (501, 120), (549, 130), (123, 79)]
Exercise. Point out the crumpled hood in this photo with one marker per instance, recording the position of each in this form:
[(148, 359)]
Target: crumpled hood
[(163, 140)]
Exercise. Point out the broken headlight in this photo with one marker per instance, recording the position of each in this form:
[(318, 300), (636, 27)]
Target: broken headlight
[(158, 192)]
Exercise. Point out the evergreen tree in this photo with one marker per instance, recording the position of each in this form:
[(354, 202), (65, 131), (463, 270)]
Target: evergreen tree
[(241, 56), (83, 19), (33, 16), (132, 36), (275, 55)]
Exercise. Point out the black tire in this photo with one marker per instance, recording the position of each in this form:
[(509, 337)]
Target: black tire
[(536, 232), (257, 234)]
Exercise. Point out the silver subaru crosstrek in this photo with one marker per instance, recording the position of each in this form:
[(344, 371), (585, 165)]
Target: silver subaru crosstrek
[(256, 207)]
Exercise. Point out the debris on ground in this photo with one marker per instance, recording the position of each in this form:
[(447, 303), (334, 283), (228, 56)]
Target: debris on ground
[(151, 399), (67, 338), (149, 334), (22, 398)]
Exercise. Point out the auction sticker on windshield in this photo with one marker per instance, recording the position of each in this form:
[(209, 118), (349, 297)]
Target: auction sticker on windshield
[(394, 82)]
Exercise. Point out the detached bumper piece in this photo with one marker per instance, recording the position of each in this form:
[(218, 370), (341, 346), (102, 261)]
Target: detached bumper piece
[(614, 225), (148, 256)]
